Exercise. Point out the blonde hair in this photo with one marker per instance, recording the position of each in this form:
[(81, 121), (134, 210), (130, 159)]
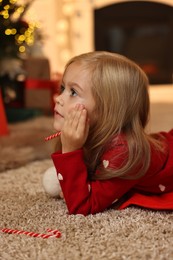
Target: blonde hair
[(120, 91)]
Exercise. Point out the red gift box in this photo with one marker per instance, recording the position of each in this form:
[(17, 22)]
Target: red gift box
[(3, 120), (39, 93)]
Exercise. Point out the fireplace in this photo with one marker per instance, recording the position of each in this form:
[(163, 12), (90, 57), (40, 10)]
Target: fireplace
[(140, 30)]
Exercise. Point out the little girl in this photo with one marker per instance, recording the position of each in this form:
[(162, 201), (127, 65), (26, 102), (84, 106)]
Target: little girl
[(105, 158)]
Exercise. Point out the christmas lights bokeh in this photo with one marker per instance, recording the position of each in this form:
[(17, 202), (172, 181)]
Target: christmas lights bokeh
[(16, 34)]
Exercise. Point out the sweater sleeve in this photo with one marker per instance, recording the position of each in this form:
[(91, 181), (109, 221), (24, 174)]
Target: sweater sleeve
[(83, 196)]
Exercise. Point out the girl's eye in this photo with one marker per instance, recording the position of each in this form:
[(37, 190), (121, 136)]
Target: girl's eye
[(61, 88), (73, 93)]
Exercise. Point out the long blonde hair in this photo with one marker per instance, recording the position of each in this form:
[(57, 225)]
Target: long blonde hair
[(120, 91)]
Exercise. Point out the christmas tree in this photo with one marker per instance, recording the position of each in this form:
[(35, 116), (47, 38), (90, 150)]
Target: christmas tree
[(16, 35)]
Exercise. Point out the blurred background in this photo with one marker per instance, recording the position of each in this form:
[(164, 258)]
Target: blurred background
[(38, 37)]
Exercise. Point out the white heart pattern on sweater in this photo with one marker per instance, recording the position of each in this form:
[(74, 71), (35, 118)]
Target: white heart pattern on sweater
[(105, 163), (162, 187), (60, 177)]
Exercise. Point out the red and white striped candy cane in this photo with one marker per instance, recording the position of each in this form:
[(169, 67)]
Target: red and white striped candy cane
[(53, 233), (52, 136)]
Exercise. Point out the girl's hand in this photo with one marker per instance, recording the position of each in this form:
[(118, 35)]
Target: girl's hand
[(75, 129)]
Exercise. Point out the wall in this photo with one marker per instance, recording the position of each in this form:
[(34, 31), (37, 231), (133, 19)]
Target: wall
[(46, 13), (68, 27), (79, 15)]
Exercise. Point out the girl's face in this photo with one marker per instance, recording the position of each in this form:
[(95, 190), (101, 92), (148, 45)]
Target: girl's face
[(75, 89)]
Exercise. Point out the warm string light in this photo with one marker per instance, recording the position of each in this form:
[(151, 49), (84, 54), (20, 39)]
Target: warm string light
[(24, 37), (13, 1), (5, 12)]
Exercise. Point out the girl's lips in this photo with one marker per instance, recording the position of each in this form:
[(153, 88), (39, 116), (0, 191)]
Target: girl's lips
[(58, 114)]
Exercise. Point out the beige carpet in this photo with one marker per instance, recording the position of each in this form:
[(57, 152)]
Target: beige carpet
[(129, 234), (25, 143)]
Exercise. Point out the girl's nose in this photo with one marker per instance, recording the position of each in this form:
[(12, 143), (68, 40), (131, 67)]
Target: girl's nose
[(55, 98), (58, 99)]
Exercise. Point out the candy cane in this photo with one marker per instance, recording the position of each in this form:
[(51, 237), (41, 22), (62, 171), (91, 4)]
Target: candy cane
[(52, 136), (53, 233)]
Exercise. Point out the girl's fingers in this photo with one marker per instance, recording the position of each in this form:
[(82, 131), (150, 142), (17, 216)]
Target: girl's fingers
[(75, 130), (74, 117), (82, 121), (77, 118)]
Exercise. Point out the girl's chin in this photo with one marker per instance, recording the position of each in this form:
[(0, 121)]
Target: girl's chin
[(57, 126)]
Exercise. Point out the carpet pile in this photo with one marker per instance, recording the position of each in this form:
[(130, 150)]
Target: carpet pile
[(25, 143), (132, 233)]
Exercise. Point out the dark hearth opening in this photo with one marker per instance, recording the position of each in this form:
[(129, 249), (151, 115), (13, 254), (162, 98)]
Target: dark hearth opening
[(142, 31)]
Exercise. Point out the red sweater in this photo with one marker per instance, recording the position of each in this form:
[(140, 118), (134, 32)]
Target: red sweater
[(82, 196)]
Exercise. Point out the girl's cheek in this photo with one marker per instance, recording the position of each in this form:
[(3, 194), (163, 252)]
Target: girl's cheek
[(71, 107)]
